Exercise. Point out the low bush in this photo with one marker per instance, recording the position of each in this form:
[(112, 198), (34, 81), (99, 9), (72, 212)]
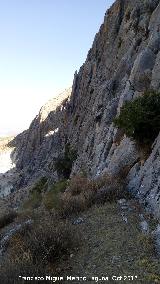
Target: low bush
[(44, 242), (71, 205), (78, 184), (7, 218), (82, 193), (78, 194), (35, 194), (140, 118), (38, 249), (81, 183), (51, 198)]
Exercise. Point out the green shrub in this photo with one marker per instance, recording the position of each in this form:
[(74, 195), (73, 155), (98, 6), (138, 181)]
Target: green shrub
[(51, 198), (63, 164), (35, 194), (71, 205), (140, 118)]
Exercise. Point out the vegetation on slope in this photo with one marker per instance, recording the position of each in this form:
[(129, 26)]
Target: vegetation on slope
[(55, 244), (140, 118)]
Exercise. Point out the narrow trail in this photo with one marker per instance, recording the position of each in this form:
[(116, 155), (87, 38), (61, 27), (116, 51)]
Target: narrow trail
[(115, 242)]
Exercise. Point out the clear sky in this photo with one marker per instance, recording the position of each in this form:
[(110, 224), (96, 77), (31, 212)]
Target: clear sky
[(42, 43)]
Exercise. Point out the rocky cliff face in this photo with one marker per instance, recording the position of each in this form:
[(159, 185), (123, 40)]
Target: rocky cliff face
[(37, 147), (123, 62)]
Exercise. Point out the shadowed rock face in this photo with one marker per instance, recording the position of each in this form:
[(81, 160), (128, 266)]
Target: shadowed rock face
[(123, 62)]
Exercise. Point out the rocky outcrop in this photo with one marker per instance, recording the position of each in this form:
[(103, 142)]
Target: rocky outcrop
[(37, 147), (123, 62), (144, 180)]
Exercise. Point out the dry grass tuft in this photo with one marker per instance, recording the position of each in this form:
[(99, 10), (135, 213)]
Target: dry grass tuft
[(36, 248), (43, 242), (82, 193)]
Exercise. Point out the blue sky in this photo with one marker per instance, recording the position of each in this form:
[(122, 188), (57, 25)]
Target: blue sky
[(43, 42)]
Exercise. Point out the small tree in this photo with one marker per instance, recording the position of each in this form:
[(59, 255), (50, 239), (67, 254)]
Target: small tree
[(63, 164), (140, 118)]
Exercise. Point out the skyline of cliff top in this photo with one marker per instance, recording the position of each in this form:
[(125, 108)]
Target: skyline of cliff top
[(42, 44)]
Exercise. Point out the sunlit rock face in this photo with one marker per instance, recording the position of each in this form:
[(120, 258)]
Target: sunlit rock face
[(7, 167)]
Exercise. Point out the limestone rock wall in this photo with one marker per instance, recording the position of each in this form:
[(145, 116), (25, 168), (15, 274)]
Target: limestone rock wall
[(123, 62)]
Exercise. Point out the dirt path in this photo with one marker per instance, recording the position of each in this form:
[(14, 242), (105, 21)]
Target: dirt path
[(114, 245)]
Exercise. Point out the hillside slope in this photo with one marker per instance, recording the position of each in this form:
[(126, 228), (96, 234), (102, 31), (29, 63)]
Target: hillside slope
[(123, 62)]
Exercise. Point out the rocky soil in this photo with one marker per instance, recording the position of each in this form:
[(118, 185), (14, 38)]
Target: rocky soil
[(116, 242)]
